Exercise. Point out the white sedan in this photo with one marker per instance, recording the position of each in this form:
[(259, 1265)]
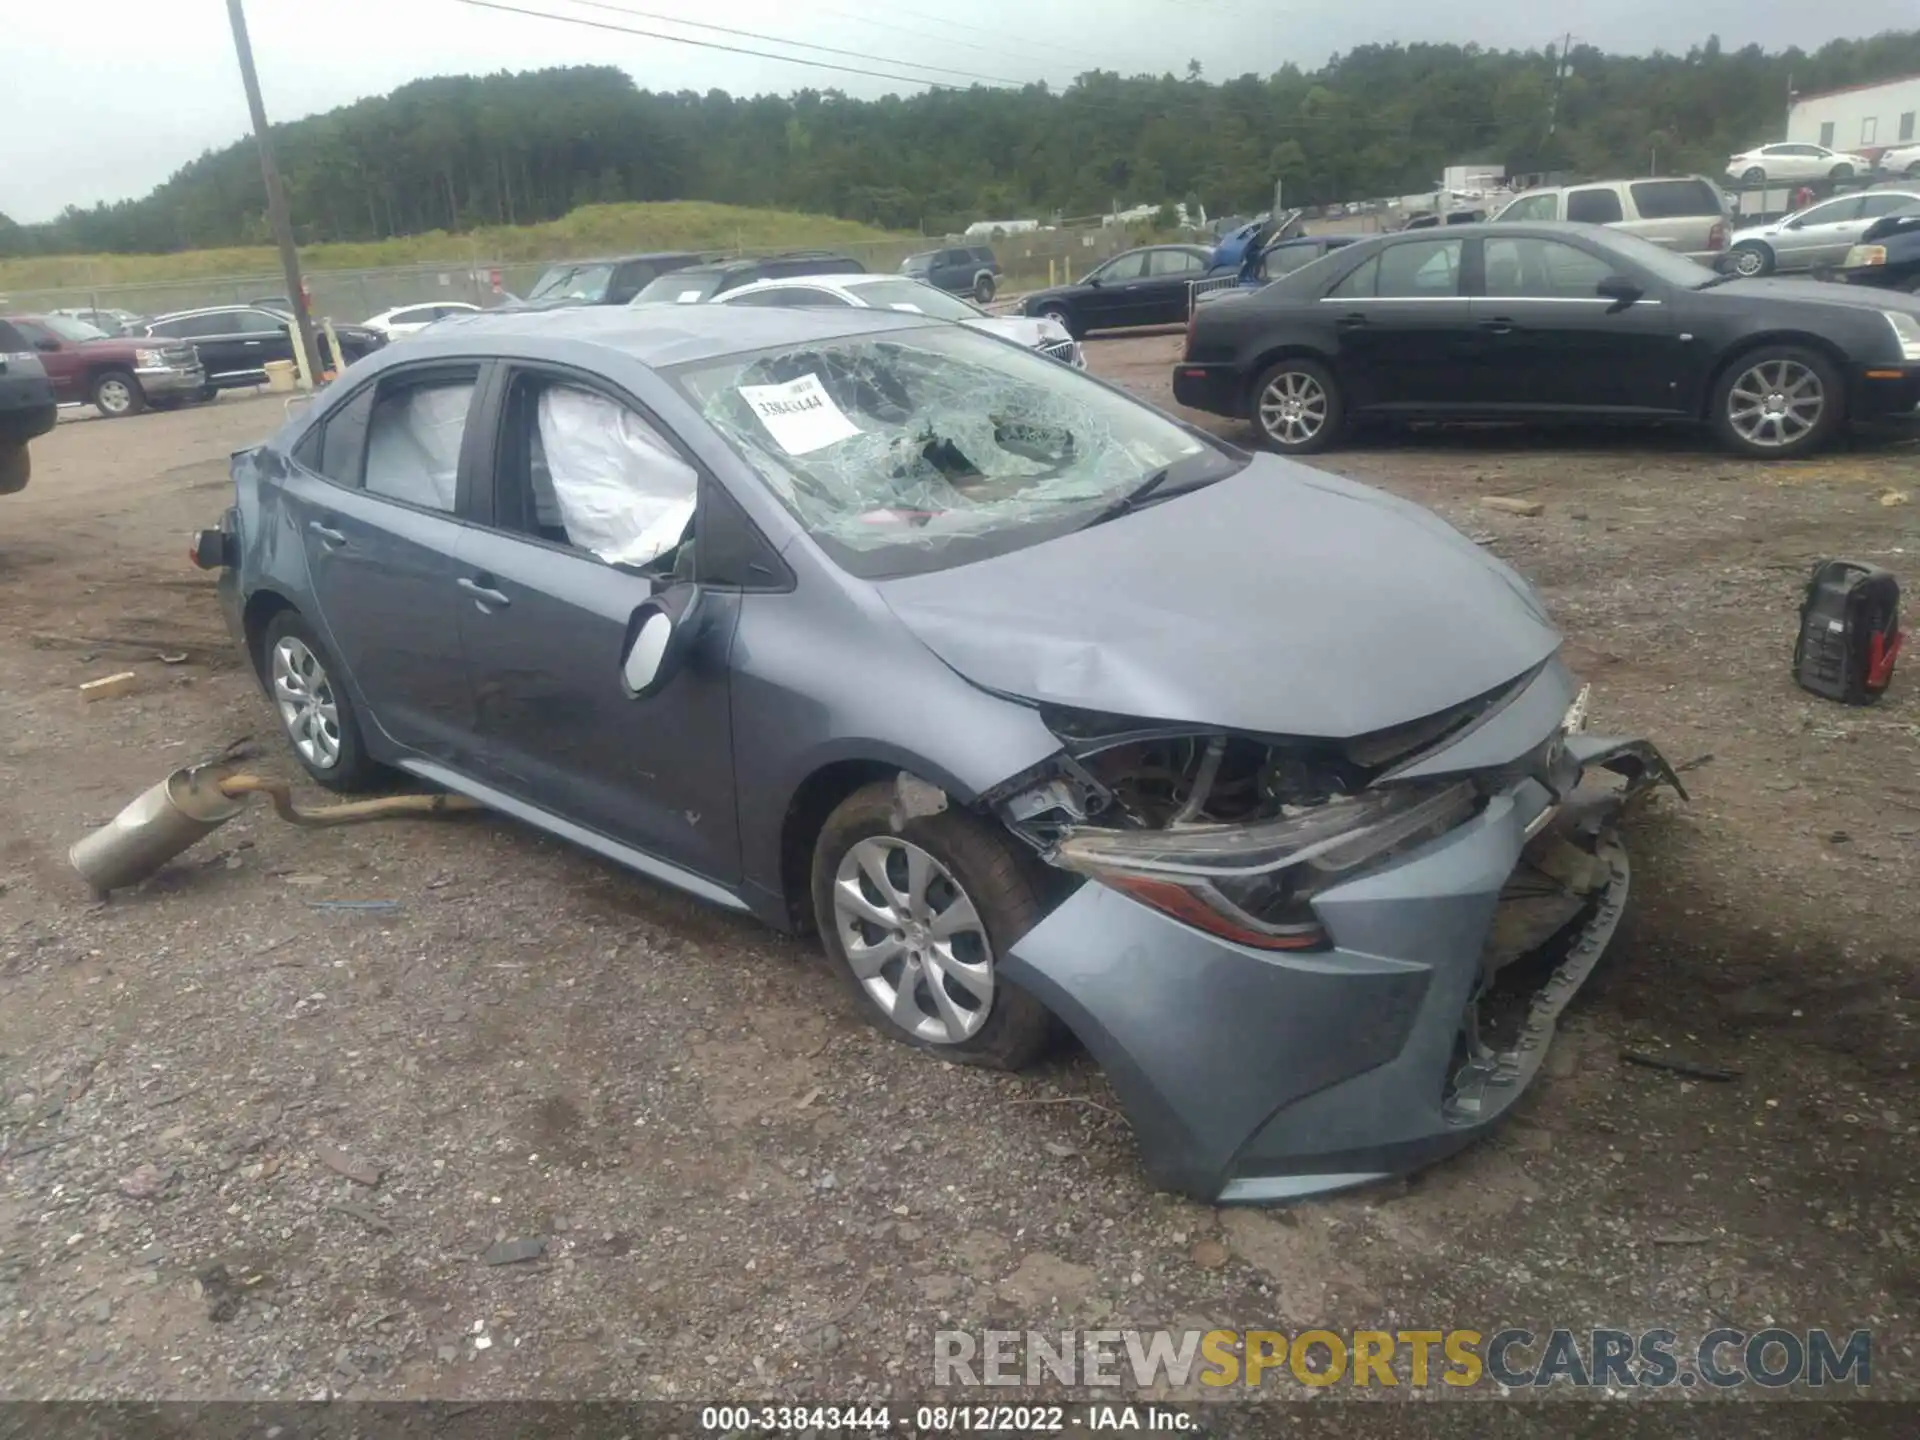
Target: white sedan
[(897, 292), (412, 319), (1901, 160), (1770, 164)]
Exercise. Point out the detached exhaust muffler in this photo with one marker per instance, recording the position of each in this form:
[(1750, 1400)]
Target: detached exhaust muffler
[(192, 803)]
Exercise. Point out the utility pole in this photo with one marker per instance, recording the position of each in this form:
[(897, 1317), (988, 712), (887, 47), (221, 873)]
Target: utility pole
[(1559, 76), (277, 214), (1786, 131)]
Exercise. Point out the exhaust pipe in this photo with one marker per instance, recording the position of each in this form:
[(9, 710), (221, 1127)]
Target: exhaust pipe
[(192, 803)]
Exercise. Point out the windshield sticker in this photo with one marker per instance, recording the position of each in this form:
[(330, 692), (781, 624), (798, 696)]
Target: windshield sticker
[(689, 297), (799, 414)]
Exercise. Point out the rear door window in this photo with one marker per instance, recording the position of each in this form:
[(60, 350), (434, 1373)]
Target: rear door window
[(413, 441), (1172, 262), (1420, 269), (1671, 199), (1596, 206)]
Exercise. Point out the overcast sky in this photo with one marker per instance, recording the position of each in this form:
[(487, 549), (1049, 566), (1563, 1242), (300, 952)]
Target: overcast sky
[(103, 100)]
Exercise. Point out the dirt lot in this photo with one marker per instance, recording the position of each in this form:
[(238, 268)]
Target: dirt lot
[(744, 1191)]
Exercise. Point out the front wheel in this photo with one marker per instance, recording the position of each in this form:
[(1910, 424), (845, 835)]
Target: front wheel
[(1778, 402), (117, 393), (983, 289), (1840, 172), (917, 920), (1063, 317), (16, 467), (1755, 175), (1750, 261), (1297, 407), (304, 684)]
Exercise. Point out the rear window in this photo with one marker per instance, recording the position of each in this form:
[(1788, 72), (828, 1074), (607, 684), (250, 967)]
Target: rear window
[(1594, 207), (1669, 199)]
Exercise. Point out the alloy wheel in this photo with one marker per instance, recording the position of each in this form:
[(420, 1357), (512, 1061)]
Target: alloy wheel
[(304, 695), (115, 396), (1293, 408), (914, 940), (1748, 262), (1775, 403)]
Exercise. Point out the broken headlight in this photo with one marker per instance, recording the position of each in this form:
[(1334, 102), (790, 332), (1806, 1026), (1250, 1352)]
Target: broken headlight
[(1254, 884)]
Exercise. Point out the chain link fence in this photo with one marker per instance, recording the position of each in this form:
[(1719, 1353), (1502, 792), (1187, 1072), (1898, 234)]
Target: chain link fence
[(1027, 260)]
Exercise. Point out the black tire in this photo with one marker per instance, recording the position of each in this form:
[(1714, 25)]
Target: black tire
[(209, 393), (1292, 437), (1840, 172), (16, 467), (1912, 172), (1064, 317), (351, 770), (983, 289), (116, 394), (1754, 175), (1832, 415), (1761, 259), (987, 869)]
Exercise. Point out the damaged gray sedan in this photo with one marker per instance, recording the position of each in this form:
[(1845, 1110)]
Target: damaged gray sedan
[(1046, 711)]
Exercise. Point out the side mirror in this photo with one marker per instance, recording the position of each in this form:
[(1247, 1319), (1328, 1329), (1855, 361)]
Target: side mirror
[(1094, 280), (660, 636), (1618, 289)]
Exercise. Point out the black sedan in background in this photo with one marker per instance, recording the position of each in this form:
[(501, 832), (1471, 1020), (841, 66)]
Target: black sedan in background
[(1518, 322), (1137, 287)]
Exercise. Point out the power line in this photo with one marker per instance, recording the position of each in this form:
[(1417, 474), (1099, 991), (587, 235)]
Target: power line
[(713, 44), (782, 40), (923, 35)]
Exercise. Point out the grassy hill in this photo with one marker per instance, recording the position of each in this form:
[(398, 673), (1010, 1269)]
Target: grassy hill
[(590, 230)]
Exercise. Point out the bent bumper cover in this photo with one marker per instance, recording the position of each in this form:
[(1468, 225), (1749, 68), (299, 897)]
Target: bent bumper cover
[(1252, 1075)]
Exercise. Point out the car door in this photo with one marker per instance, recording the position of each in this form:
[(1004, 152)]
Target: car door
[(1167, 293), (1818, 235), (584, 489), (1404, 326), (230, 351), (376, 497), (1550, 343), (1107, 296), (61, 359)]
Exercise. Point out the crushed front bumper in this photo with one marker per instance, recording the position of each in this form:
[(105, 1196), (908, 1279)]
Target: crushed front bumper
[(1253, 1075)]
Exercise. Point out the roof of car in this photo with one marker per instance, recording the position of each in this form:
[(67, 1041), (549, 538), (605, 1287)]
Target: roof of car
[(661, 335), (210, 310), (621, 259)]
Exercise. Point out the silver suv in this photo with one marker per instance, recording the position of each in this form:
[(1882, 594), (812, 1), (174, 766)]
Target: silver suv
[(1685, 213)]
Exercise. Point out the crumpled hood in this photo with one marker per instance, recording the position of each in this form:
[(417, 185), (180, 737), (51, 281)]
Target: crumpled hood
[(1281, 601), (1024, 330)]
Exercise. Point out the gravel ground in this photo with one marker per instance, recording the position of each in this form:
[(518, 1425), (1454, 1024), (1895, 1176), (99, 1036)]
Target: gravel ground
[(535, 1126)]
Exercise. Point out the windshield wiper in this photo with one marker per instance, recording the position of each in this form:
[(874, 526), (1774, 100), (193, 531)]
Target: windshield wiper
[(1132, 500)]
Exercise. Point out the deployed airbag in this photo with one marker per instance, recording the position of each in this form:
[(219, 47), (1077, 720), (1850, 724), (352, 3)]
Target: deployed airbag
[(413, 444), (621, 491)]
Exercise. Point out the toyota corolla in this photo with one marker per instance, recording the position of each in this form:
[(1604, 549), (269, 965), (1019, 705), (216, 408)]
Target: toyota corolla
[(1047, 712)]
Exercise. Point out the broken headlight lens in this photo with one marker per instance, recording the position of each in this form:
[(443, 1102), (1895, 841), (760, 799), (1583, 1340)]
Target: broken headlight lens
[(1254, 884)]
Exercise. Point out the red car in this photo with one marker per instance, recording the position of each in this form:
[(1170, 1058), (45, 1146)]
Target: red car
[(118, 375)]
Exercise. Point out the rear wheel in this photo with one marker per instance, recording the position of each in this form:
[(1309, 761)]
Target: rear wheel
[(1754, 175), (983, 289), (917, 919), (1913, 171), (303, 683), (1063, 317), (117, 393), (1778, 402), (15, 467), (1840, 172), (1297, 407), (1750, 260)]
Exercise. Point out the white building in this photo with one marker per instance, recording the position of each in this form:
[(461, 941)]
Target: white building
[(1865, 119)]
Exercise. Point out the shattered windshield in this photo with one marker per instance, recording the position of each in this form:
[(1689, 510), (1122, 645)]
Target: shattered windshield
[(573, 282), (916, 450)]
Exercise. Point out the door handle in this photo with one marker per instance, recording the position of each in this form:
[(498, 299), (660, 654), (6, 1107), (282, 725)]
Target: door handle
[(252, 342), (326, 533), (1350, 322), (484, 594), (1498, 326)]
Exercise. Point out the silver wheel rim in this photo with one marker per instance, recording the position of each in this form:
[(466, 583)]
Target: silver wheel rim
[(114, 396), (1776, 403), (1746, 262), (915, 942), (1293, 408), (307, 705)]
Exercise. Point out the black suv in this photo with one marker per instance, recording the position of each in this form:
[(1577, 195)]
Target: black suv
[(959, 269), (702, 282), (605, 282)]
